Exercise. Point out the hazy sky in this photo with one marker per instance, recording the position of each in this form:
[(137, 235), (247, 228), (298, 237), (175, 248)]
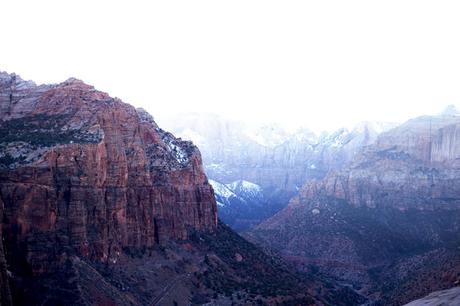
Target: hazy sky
[(317, 63)]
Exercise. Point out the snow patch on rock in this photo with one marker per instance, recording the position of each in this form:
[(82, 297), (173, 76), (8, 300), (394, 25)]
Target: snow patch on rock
[(246, 188), (222, 190)]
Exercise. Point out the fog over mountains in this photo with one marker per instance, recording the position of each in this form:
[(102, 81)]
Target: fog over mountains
[(276, 160), (101, 206), (93, 191), (230, 153)]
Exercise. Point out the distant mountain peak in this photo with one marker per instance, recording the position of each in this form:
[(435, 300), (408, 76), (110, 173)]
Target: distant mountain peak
[(450, 110), (242, 186), (77, 84), (73, 80), (15, 80), (222, 190)]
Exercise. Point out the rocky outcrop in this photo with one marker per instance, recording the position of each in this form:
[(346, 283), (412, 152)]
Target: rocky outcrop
[(83, 173), (449, 297), (416, 165), (396, 207)]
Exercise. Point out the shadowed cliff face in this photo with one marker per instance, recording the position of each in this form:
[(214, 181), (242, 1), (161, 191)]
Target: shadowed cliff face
[(389, 223), (86, 173)]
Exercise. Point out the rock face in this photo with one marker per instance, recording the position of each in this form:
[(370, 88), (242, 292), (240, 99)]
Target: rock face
[(416, 165), (278, 161), (395, 208), (450, 297), (5, 292), (83, 173)]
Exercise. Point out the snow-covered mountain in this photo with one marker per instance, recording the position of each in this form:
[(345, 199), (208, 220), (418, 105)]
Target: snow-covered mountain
[(240, 203), (224, 195), (247, 189)]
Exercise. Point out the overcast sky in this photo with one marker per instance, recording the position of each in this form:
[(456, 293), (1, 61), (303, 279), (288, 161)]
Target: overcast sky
[(321, 64)]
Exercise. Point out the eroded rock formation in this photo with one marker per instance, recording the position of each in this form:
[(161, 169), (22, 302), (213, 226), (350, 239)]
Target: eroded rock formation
[(84, 173), (395, 208), (100, 206)]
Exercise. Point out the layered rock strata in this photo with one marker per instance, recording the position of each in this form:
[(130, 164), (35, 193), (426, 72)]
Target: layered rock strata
[(82, 172), (395, 208)]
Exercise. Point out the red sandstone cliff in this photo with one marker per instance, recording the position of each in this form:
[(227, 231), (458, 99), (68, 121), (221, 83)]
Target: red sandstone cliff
[(86, 173)]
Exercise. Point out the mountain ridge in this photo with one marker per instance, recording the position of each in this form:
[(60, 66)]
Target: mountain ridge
[(236, 151), (395, 204)]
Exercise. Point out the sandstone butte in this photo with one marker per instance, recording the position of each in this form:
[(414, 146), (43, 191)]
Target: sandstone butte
[(84, 173)]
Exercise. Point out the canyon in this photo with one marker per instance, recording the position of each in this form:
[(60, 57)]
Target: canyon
[(273, 159), (92, 190), (100, 206), (388, 224), (376, 207)]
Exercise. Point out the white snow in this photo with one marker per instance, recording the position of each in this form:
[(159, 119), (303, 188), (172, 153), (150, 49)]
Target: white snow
[(270, 135), (178, 153), (245, 187), (222, 190), (337, 142), (215, 166)]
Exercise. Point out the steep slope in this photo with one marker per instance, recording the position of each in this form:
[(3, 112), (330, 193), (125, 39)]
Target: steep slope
[(101, 164), (242, 204), (86, 174), (389, 224), (264, 276), (247, 189), (450, 297)]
